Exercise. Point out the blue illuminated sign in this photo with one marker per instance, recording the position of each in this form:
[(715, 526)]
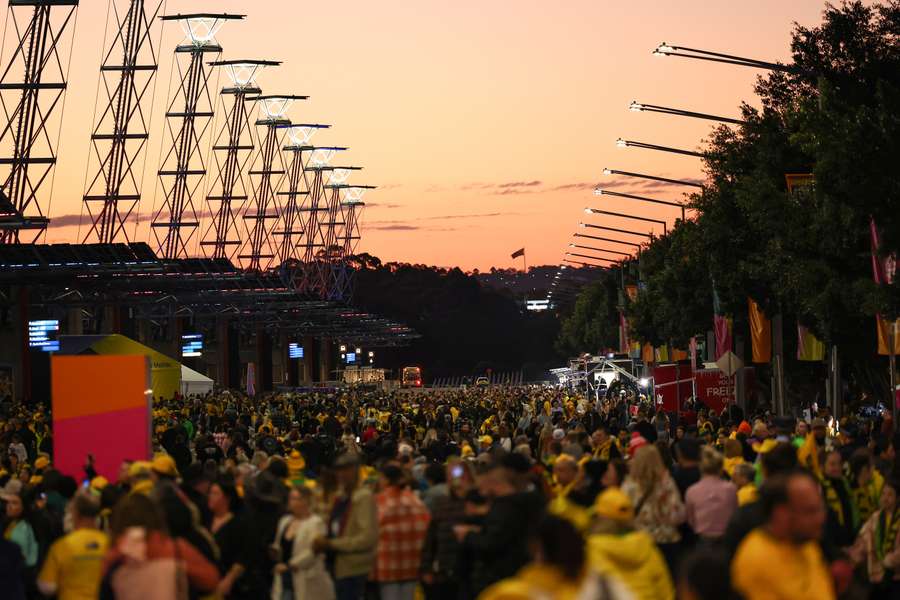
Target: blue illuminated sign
[(192, 344), (295, 350), (42, 334), (351, 357)]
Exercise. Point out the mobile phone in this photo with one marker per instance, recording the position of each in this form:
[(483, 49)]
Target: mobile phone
[(357, 439), (457, 471)]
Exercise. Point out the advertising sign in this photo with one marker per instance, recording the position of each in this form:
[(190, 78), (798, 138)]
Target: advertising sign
[(101, 407)]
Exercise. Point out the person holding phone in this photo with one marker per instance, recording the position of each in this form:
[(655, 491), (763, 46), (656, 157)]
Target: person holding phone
[(439, 569)]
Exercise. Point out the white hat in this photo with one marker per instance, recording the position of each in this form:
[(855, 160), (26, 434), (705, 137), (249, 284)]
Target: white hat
[(558, 434), (13, 487)]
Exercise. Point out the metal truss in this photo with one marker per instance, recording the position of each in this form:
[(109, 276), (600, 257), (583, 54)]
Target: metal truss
[(32, 88), (232, 152), (121, 130), (188, 118), (267, 172), (314, 278)]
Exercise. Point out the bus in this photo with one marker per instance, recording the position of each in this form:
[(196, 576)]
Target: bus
[(411, 377)]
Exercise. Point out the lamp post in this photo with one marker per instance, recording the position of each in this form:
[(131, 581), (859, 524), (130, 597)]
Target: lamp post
[(641, 233), (665, 49), (602, 192), (603, 239), (588, 256), (599, 249), (636, 106), (624, 216), (653, 178), (623, 143)]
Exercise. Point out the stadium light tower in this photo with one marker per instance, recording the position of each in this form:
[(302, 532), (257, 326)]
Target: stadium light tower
[(187, 120), (32, 87), (261, 217), (348, 238), (623, 143), (232, 151), (297, 189), (120, 134), (316, 225)]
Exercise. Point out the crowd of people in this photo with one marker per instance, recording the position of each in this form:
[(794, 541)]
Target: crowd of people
[(498, 493)]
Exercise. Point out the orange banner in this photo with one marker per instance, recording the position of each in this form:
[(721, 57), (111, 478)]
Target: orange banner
[(884, 347), (760, 333)]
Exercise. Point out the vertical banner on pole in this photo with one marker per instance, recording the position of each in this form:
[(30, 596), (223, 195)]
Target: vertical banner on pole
[(102, 407), (760, 333)]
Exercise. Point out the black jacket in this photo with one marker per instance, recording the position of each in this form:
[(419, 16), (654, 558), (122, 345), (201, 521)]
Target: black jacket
[(500, 549)]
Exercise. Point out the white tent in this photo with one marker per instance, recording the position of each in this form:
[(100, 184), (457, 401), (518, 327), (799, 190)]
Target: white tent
[(193, 382)]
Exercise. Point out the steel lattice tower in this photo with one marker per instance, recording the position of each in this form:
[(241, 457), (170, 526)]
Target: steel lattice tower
[(120, 134), (297, 189), (187, 121), (347, 239), (331, 266), (232, 149), (32, 86), (315, 277), (261, 217)]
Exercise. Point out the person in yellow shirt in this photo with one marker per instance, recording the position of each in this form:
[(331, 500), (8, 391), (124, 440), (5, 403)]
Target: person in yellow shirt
[(782, 560), (615, 548), (744, 478), (73, 567)]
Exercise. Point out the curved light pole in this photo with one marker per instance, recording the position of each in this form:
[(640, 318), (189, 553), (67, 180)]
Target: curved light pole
[(597, 211), (602, 192), (665, 49), (603, 239), (599, 249), (623, 143), (636, 106), (608, 172), (641, 233)]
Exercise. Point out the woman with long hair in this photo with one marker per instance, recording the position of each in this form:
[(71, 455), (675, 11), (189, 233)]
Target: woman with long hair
[(145, 563), (299, 572), (658, 508)]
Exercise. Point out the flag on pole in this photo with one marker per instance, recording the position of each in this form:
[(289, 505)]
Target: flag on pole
[(518, 253), (722, 326)]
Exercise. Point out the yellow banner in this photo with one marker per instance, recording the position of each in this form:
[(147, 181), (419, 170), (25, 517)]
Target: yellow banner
[(809, 347)]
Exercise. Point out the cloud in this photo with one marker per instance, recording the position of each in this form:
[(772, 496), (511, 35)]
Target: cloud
[(391, 227), (70, 220), (383, 205), (519, 184)]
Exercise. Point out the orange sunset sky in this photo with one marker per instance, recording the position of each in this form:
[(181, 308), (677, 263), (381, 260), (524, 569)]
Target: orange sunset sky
[(485, 123)]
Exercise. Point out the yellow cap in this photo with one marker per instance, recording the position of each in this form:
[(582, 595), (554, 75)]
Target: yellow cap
[(486, 440), (139, 468), (614, 504), (164, 465), (98, 483), (41, 462)]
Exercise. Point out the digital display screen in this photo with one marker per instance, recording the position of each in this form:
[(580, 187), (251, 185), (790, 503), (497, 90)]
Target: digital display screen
[(295, 350), (192, 344), (43, 335), (351, 357)]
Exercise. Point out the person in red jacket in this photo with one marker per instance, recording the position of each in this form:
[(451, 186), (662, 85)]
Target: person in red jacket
[(145, 563)]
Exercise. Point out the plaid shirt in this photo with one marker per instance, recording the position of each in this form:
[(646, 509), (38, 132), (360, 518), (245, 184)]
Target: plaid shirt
[(402, 523)]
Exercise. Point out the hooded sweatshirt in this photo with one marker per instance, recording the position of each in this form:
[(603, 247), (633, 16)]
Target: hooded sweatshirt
[(633, 558)]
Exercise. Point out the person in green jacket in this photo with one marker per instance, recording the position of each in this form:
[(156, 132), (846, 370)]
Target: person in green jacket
[(616, 549), (18, 530)]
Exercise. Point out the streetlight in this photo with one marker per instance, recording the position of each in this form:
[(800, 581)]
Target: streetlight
[(636, 106), (665, 49), (622, 143), (608, 172), (602, 192), (603, 239), (641, 233), (624, 216), (591, 257), (599, 249)]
